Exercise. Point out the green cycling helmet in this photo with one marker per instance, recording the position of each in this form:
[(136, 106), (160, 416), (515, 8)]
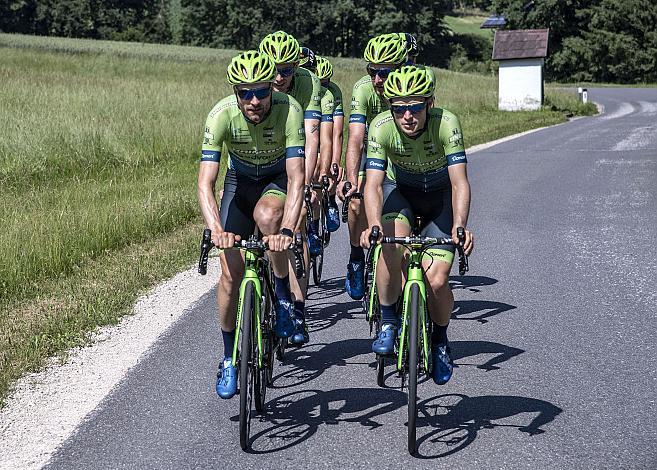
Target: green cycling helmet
[(410, 80), (281, 47), (250, 67), (324, 68), (386, 49)]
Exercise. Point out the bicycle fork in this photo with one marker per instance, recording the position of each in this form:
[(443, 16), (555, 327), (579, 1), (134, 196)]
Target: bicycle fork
[(415, 277), (250, 276)]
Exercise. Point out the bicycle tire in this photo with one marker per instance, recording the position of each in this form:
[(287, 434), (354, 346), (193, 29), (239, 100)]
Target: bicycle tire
[(318, 266), (246, 378), (413, 367), (263, 377)]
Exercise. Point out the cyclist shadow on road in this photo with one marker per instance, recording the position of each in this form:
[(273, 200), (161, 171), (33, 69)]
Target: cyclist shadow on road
[(454, 420), (295, 417), (471, 283), (501, 353), (469, 310), (322, 316), (460, 351), (328, 289), (308, 363)]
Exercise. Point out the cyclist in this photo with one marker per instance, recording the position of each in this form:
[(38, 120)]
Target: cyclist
[(305, 88), (262, 131), (411, 48), (324, 73), (383, 54), (328, 129), (416, 165), (307, 60)]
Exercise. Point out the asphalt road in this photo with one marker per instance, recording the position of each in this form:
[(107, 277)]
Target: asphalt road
[(554, 335)]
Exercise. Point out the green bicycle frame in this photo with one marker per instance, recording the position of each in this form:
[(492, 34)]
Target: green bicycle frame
[(250, 275), (414, 276), (372, 292)]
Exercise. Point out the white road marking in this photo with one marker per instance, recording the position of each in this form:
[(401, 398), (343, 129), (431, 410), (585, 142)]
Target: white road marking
[(623, 110), (45, 408), (639, 138)]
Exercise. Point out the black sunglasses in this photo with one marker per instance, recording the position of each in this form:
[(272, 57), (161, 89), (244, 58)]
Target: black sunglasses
[(381, 72), (249, 93)]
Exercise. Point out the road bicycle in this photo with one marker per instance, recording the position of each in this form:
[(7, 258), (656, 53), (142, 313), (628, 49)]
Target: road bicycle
[(254, 358), (413, 347), (317, 261)]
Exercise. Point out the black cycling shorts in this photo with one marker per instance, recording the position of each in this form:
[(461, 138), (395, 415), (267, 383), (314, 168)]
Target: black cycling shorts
[(241, 194), (403, 203)]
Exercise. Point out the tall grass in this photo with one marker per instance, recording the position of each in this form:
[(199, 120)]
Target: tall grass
[(98, 156)]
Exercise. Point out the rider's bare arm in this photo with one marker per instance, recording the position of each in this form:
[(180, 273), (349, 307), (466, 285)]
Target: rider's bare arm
[(311, 127), (354, 151), (207, 178)]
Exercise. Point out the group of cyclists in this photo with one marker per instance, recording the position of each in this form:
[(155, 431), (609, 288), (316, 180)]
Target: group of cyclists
[(282, 129)]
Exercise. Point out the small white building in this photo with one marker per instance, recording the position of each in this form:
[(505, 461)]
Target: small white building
[(521, 54)]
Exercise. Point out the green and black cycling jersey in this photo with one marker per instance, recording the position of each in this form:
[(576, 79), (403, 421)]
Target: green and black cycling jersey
[(420, 162), (366, 103), (255, 150), (328, 104), (307, 90), (337, 99)]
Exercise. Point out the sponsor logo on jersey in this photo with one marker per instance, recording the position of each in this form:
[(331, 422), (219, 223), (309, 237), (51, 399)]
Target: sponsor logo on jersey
[(456, 139)]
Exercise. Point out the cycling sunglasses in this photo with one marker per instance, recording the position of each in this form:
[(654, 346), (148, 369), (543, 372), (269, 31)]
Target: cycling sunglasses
[(285, 71), (248, 93), (382, 72), (400, 109)]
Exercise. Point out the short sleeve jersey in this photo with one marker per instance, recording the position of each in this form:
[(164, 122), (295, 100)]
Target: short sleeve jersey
[(422, 162), (307, 90), (337, 98), (328, 105), (255, 150), (366, 102)]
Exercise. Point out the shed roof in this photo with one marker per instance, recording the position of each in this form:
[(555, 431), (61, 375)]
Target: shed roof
[(520, 44)]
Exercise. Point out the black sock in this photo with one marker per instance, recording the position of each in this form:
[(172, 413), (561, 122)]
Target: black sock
[(300, 309), (389, 315), (314, 226), (332, 202), (439, 334), (357, 254), (282, 288), (229, 343)]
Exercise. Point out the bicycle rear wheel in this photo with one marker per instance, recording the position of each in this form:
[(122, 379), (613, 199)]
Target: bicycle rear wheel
[(246, 363), (413, 367)]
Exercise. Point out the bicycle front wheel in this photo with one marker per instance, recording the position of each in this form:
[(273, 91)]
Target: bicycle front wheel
[(413, 367), (246, 364)]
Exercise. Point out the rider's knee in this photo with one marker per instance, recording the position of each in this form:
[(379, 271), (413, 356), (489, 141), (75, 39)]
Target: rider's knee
[(268, 218), (438, 281)]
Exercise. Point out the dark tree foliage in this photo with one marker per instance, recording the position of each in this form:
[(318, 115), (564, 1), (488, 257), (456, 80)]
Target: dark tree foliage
[(593, 40), (129, 20)]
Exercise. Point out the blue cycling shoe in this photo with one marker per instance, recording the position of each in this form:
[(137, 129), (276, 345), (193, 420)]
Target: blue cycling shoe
[(226, 379), (300, 335), (314, 244), (284, 324), (332, 219), (384, 343), (354, 284), (442, 364)]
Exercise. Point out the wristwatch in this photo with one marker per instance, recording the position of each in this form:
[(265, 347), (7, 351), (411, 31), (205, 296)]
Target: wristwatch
[(287, 232)]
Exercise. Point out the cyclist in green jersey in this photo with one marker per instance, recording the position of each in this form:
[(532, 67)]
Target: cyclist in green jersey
[(303, 86), (411, 47), (416, 166), (263, 133), (324, 73), (383, 54)]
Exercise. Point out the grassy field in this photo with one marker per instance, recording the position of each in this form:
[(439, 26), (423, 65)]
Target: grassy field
[(98, 164), (468, 24)]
